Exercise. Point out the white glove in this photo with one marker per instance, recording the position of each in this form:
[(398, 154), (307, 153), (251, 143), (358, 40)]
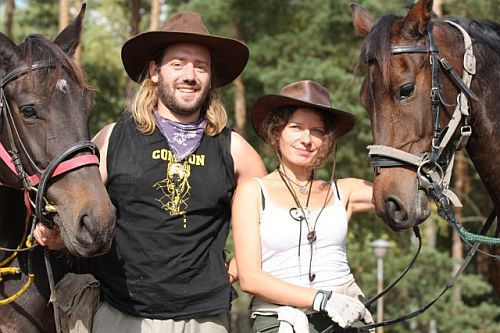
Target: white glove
[(342, 309), (292, 320), (368, 319)]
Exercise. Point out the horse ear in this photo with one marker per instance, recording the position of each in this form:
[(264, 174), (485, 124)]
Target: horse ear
[(69, 38), (362, 19), (417, 19), (9, 52)]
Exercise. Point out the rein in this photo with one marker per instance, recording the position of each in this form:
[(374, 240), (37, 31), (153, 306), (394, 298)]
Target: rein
[(434, 168), (423, 308)]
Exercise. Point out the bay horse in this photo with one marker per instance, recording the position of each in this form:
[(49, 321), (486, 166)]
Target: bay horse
[(431, 88), (47, 164)]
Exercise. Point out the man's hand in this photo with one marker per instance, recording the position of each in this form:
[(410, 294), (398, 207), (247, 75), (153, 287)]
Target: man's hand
[(50, 238)]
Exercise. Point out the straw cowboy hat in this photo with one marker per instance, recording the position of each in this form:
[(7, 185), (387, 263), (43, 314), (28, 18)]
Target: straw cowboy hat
[(307, 94), (230, 55)]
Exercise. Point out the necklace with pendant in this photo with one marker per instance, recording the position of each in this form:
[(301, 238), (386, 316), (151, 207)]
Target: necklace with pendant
[(303, 189), (176, 170)]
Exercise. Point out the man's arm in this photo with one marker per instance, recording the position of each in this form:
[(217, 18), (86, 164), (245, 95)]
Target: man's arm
[(247, 163), (101, 140)]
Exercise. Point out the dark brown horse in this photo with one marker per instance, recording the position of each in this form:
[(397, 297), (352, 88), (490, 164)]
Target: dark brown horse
[(419, 69), (45, 106)]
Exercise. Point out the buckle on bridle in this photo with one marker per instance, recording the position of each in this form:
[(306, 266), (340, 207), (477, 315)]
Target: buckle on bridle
[(434, 174)]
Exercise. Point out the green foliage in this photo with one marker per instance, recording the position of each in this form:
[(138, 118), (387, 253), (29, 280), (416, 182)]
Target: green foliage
[(102, 41), (36, 16), (476, 312)]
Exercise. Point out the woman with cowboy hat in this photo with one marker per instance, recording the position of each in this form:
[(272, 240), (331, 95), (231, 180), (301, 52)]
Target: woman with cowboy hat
[(170, 165), (290, 227)]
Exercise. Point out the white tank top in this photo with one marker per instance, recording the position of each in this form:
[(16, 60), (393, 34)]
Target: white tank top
[(279, 234)]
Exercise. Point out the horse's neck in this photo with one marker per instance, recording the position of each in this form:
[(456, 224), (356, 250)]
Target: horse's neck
[(483, 147)]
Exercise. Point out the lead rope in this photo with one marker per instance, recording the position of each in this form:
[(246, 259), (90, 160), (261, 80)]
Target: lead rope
[(53, 298), (16, 270)]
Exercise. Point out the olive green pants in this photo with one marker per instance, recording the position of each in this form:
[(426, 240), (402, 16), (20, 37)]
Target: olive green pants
[(318, 322)]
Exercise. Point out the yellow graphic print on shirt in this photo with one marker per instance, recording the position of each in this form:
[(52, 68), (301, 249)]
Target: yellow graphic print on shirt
[(175, 188)]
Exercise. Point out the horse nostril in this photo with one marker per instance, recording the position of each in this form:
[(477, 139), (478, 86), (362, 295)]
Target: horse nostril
[(87, 231), (395, 210)]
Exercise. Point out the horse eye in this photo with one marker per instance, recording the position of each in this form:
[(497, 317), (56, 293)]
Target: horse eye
[(406, 91), (28, 111)]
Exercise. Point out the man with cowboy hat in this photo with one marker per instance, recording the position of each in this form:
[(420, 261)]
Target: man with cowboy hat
[(171, 165)]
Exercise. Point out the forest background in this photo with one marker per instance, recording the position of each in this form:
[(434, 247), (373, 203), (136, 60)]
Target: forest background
[(290, 40)]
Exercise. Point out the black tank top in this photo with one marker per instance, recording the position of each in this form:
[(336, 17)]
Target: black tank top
[(167, 260)]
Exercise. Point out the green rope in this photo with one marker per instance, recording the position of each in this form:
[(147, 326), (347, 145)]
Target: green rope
[(473, 238)]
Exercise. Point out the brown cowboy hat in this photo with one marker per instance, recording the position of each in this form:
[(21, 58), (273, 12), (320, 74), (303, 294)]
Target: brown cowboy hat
[(230, 55), (307, 94)]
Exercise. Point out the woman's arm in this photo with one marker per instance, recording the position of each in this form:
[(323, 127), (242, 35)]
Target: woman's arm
[(357, 195)]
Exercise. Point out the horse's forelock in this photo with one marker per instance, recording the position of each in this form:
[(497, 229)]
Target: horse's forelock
[(38, 48), (377, 44)]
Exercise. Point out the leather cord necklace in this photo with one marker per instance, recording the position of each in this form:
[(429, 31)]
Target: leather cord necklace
[(311, 235)]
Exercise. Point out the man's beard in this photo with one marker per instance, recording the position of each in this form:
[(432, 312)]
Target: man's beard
[(167, 97)]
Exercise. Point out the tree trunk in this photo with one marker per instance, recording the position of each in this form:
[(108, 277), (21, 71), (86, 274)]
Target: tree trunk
[(10, 8), (155, 15), (135, 18), (240, 108), (437, 7), (79, 49), (462, 186), (63, 14), (494, 269)]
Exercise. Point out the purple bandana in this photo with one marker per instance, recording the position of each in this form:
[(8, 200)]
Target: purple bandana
[(183, 138)]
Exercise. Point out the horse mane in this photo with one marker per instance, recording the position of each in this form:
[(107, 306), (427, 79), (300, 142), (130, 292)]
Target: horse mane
[(483, 32), (38, 48), (376, 46)]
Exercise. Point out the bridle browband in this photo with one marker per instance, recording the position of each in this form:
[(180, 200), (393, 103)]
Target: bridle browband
[(61, 164)]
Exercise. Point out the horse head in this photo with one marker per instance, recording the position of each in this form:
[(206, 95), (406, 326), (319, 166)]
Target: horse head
[(45, 109), (409, 97)]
